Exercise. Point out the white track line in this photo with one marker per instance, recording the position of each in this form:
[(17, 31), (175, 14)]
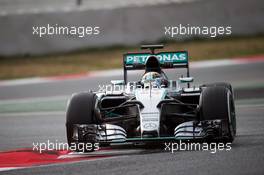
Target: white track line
[(101, 153), (10, 168)]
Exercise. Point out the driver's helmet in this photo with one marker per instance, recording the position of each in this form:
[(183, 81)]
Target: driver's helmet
[(152, 78)]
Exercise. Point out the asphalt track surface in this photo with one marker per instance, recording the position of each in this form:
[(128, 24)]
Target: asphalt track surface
[(245, 157)]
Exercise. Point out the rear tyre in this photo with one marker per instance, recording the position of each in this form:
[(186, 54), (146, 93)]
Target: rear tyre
[(217, 103), (80, 111)]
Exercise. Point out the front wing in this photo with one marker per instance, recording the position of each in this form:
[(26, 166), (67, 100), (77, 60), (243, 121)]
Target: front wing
[(191, 130)]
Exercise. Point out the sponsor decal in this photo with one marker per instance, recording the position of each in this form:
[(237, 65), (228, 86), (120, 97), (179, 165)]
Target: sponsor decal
[(163, 57), (150, 126)]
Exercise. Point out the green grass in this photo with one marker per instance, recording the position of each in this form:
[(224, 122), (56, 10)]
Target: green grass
[(108, 58)]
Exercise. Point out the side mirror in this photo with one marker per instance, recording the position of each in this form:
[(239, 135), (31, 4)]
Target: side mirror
[(186, 79), (118, 82)]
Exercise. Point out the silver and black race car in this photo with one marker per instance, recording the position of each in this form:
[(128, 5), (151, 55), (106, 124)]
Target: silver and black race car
[(153, 108)]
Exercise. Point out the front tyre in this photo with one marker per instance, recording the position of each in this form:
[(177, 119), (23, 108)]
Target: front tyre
[(217, 103), (80, 111)]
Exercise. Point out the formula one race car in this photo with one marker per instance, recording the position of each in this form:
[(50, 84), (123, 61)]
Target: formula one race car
[(153, 108)]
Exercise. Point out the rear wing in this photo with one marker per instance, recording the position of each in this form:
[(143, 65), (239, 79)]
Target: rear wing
[(167, 60)]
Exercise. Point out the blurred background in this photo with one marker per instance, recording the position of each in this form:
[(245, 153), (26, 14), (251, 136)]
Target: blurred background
[(124, 25), (39, 74)]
